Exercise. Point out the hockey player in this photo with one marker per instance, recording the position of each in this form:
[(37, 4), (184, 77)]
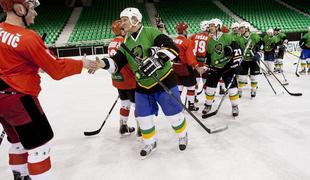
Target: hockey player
[(269, 43), (201, 41), (280, 49), (235, 30), (124, 80), (161, 27), (251, 59), (304, 44), (22, 53), (185, 64), (224, 56), (144, 42)]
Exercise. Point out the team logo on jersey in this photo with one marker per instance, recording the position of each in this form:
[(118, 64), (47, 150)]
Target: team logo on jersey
[(219, 48), (138, 51)]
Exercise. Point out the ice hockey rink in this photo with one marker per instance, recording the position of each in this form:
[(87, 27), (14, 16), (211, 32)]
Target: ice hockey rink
[(270, 140)]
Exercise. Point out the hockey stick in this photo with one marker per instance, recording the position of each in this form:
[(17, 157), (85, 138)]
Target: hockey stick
[(169, 92), (285, 80), (264, 73), (2, 136), (198, 93), (296, 71), (204, 116), (91, 133), (290, 93)]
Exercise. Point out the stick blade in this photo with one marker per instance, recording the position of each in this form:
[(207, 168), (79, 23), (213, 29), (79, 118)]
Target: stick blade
[(217, 125), (296, 94), (91, 133), (205, 116)]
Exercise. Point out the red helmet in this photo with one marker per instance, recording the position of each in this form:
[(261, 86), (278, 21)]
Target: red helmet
[(117, 27), (225, 29), (181, 27), (7, 5)]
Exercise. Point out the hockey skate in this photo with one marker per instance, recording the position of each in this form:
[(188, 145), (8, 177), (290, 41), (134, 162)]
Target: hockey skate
[(124, 129), (148, 149), (235, 110), (196, 100), (303, 71), (183, 142), (192, 107), (17, 176), (206, 109), (253, 94)]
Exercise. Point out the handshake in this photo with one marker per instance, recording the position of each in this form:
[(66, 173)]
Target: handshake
[(92, 65)]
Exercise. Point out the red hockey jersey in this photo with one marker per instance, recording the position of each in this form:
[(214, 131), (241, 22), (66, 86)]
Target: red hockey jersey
[(125, 79), (186, 47), (22, 53)]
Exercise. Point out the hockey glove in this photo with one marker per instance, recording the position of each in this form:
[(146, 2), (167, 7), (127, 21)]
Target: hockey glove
[(150, 65), (153, 50), (228, 51)]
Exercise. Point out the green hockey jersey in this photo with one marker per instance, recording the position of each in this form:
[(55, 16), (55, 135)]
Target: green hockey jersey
[(216, 47), (140, 47), (243, 41), (269, 42)]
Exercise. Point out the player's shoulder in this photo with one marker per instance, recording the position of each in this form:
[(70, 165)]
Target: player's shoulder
[(31, 36)]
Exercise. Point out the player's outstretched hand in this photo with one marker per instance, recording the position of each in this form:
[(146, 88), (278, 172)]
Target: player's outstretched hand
[(88, 64), (201, 70), (97, 65)]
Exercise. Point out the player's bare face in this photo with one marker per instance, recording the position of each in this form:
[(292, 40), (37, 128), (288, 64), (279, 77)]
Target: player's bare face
[(236, 30), (31, 14), (126, 25), (242, 30), (212, 28)]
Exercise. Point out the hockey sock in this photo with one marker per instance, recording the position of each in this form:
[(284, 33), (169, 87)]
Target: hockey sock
[(178, 123), (147, 128), (210, 92), (39, 163), (125, 110), (18, 159), (233, 96), (253, 82), (190, 94)]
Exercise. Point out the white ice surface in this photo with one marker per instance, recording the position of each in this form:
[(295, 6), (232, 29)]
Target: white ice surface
[(270, 140)]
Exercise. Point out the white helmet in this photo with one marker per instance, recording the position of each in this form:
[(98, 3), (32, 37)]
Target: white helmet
[(132, 12), (245, 25), (234, 25), (216, 22), (204, 25), (270, 31)]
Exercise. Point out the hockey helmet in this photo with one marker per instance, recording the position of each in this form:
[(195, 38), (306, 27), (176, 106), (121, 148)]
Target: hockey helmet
[(7, 5), (270, 31), (132, 12), (245, 25), (204, 25), (181, 27), (234, 25), (117, 27), (216, 22)]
